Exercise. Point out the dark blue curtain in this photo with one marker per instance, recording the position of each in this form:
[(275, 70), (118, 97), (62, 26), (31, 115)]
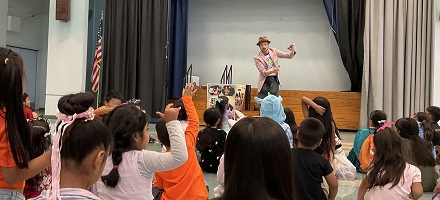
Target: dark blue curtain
[(177, 47), (332, 13)]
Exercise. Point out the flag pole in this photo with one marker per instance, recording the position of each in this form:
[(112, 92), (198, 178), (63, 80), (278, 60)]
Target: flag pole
[(99, 91)]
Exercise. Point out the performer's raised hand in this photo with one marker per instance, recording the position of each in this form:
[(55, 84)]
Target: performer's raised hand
[(319, 109)]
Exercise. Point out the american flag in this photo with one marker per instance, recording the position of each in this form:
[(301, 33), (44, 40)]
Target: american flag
[(97, 60)]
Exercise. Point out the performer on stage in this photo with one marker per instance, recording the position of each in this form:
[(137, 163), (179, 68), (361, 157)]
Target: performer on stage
[(266, 62)]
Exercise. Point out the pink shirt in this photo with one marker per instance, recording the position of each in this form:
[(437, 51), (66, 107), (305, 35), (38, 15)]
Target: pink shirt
[(402, 190)]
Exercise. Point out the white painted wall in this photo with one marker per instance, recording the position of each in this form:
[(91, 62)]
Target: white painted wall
[(225, 32), (33, 35), (67, 49), (3, 21), (436, 69)]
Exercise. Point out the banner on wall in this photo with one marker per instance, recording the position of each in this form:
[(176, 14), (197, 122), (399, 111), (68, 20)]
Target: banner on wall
[(235, 92)]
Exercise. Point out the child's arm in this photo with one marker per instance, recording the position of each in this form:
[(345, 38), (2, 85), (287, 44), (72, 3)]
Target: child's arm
[(103, 110), (362, 189), (333, 137), (332, 182), (416, 190), (193, 127), (306, 102), (151, 161), (13, 175)]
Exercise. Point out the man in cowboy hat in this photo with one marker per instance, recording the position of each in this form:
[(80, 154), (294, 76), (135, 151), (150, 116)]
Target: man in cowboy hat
[(266, 62)]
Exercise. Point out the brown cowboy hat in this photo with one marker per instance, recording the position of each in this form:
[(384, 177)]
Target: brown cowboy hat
[(263, 39)]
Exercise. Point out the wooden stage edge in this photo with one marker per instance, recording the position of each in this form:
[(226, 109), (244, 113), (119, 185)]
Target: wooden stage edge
[(345, 106)]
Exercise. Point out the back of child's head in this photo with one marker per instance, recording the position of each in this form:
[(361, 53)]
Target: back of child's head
[(113, 95), (256, 140), (211, 116), (421, 149), (290, 120), (85, 132), (24, 97), (434, 113), (272, 107), (162, 133), (424, 120), (182, 113), (310, 132), (221, 103), (80, 135), (378, 118), (388, 164), (124, 123), (326, 119), (11, 91)]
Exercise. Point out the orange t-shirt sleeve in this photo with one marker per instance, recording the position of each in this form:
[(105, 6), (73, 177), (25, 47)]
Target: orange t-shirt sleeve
[(364, 154), (192, 130), (96, 112)]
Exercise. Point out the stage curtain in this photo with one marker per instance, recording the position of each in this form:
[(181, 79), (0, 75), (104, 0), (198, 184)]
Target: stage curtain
[(398, 57), (135, 40), (177, 47)]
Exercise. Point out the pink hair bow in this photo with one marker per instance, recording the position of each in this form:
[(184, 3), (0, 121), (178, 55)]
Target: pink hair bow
[(62, 123), (384, 126)]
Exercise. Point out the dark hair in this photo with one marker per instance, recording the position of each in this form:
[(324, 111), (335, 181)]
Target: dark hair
[(310, 132), (377, 116), (424, 120), (434, 111), (255, 173), (124, 122), (290, 120), (162, 133), (89, 134), (182, 113), (113, 95), (40, 143), (11, 91), (211, 117), (221, 106), (388, 164), (24, 97), (326, 119), (421, 149)]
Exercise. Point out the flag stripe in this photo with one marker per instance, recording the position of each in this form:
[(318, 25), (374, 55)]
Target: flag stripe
[(96, 71)]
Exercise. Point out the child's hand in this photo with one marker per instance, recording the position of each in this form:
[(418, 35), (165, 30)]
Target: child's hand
[(320, 110), (189, 90), (437, 188), (169, 114)]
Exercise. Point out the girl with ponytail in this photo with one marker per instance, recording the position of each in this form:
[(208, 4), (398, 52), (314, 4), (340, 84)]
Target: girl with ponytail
[(15, 135), (129, 170)]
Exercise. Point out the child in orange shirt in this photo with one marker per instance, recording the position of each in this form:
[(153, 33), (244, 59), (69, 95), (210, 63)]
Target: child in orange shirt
[(15, 134), (112, 100), (186, 181)]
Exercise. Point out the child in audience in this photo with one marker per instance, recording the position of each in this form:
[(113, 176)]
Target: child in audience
[(128, 173), (434, 115), (377, 119), (222, 105), (425, 131), (389, 176), (290, 120), (252, 170), (319, 108), (271, 107), (27, 108), (186, 181), (81, 145), (416, 151), (40, 144), (211, 141), (309, 166), (15, 133), (112, 100)]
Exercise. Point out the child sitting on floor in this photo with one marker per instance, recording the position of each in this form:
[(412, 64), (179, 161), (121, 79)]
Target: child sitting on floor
[(211, 141), (112, 100), (309, 167), (27, 108), (186, 181)]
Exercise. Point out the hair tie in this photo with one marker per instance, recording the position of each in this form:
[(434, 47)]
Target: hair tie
[(115, 167), (6, 61), (385, 126)]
